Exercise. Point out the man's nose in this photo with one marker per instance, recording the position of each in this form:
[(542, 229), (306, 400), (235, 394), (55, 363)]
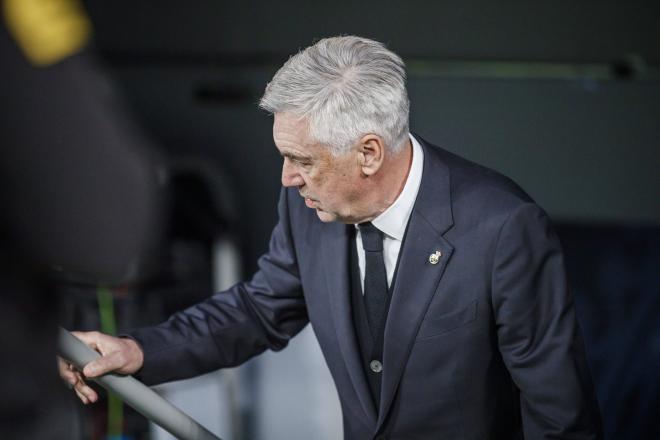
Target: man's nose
[(290, 175)]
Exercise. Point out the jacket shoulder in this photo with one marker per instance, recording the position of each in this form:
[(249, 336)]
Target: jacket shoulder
[(476, 187), (481, 199)]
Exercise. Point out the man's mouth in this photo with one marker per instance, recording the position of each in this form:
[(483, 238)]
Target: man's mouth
[(309, 202)]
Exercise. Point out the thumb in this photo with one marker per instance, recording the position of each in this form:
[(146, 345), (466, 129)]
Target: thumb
[(103, 365)]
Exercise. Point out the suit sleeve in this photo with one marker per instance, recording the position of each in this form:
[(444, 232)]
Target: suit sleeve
[(234, 325), (537, 332)]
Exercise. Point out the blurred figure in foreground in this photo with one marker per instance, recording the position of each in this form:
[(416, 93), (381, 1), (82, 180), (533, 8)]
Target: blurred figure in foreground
[(78, 198)]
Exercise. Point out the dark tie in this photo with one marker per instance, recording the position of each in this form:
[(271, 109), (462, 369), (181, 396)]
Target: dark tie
[(375, 277)]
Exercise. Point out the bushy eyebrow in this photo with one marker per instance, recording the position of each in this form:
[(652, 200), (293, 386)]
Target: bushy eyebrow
[(293, 156)]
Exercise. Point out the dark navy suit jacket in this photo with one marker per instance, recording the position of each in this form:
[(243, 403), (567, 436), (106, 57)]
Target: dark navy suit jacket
[(483, 344)]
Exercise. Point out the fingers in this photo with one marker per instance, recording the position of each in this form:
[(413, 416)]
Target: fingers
[(75, 380), (85, 393), (67, 372), (82, 398)]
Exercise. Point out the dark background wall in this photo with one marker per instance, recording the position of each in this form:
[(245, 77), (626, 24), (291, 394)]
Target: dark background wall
[(562, 96)]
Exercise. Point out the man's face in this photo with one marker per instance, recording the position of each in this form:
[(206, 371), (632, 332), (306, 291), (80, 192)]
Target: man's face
[(329, 184)]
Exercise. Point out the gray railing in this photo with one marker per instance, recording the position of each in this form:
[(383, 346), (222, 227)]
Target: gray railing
[(135, 394)]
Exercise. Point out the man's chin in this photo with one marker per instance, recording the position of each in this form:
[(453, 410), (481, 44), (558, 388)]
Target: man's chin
[(325, 217)]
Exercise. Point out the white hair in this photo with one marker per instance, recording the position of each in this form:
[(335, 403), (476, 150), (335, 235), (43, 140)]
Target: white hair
[(344, 87)]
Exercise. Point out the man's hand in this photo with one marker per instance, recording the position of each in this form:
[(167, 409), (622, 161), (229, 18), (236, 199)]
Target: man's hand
[(118, 355)]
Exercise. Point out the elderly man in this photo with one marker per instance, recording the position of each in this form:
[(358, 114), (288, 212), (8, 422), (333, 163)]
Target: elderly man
[(435, 286)]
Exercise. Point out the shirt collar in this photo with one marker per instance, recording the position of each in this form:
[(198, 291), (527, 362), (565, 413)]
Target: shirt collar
[(394, 219)]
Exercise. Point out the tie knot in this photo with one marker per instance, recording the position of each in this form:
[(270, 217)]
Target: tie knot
[(372, 237)]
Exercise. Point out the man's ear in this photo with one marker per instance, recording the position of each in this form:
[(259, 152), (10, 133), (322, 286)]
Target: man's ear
[(371, 152)]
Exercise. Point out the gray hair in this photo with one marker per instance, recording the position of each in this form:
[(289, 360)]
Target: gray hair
[(345, 87)]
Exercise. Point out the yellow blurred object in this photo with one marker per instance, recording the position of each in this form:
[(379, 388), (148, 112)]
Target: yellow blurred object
[(47, 31)]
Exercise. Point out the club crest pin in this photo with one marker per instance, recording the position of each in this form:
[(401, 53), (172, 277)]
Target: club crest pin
[(434, 258)]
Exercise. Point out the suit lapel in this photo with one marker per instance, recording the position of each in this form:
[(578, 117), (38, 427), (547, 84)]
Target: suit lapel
[(335, 252), (418, 275)]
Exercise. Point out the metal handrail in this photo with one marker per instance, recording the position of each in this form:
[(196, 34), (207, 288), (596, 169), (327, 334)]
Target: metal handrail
[(134, 393)]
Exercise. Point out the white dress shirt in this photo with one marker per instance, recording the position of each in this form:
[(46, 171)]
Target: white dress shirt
[(394, 219)]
